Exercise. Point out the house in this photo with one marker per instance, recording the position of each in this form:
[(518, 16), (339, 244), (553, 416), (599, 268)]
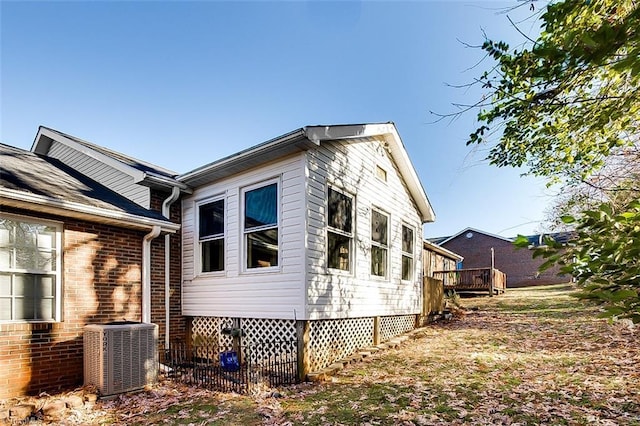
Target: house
[(316, 233), (72, 252), (314, 236), (518, 264)]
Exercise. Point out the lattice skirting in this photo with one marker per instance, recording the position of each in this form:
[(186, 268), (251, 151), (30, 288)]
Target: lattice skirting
[(207, 331), (329, 340), (391, 327)]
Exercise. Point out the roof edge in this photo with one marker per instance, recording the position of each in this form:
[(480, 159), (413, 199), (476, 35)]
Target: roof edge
[(469, 229), (396, 148), (78, 210), (442, 250), (255, 150), (87, 148)]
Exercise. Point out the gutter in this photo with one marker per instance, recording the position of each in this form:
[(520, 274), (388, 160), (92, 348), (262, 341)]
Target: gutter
[(146, 273), (166, 212), (27, 200), (256, 150), (154, 179)]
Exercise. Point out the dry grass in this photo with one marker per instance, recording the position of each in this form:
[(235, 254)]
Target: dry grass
[(529, 357)]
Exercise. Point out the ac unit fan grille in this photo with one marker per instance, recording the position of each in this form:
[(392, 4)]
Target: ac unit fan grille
[(120, 357)]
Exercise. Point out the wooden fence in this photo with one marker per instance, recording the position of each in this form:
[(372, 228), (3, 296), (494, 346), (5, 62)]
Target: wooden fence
[(490, 280), (432, 296)]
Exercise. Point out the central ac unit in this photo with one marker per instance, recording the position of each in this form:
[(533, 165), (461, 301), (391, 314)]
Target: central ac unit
[(120, 357)]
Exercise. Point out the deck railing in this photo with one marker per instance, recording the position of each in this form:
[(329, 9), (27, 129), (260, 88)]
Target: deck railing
[(491, 280)]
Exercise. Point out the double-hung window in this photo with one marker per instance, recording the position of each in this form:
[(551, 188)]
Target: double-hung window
[(407, 253), (379, 243), (261, 225), (339, 230), (30, 269), (211, 236)]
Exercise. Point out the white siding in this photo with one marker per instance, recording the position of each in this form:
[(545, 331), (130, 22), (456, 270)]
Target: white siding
[(351, 167), (100, 172), (256, 293)]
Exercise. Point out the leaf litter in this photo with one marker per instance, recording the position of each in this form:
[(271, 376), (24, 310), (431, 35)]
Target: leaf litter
[(530, 356)]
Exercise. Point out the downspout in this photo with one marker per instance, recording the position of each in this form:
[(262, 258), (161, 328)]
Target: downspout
[(166, 212), (146, 273)]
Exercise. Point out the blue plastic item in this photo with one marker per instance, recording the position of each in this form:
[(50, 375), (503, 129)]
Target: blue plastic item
[(229, 361)]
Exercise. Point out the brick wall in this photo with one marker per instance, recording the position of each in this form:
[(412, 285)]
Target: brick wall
[(101, 283), (519, 265)]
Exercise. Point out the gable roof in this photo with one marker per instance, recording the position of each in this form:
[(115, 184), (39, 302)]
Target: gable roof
[(443, 240), (142, 172), (309, 137), (534, 240), (29, 180)]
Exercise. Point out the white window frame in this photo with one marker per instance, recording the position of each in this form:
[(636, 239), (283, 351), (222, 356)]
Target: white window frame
[(223, 236), (349, 235), (403, 254), (244, 233), (386, 247), (13, 271)]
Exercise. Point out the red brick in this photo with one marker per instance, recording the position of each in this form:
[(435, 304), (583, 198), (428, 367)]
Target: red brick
[(38, 357)]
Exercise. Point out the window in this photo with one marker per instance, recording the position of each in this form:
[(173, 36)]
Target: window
[(379, 243), (339, 230), (29, 269), (407, 253), (211, 236), (381, 173), (261, 226)]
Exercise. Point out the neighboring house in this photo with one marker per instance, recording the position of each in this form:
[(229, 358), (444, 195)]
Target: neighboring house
[(314, 236), (72, 252), (316, 232), (518, 264)]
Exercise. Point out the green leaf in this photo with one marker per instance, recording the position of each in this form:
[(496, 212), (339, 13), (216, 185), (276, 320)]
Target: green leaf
[(521, 241)]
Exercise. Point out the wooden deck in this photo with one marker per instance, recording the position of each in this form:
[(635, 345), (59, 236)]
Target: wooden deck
[(490, 280)]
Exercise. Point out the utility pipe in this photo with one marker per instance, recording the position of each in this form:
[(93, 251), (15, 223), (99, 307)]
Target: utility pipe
[(146, 273), (166, 212)]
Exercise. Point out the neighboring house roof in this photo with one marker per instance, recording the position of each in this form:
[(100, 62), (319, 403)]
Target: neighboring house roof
[(559, 237), (28, 179), (443, 240), (436, 240), (309, 137), (142, 172), (534, 240), (428, 245)]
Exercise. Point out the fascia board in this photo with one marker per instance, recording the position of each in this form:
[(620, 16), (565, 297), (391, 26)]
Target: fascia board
[(441, 250), (396, 147), (136, 174), (408, 172), (261, 151), (82, 211)]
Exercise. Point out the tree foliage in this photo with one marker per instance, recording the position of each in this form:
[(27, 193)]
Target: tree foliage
[(567, 107)]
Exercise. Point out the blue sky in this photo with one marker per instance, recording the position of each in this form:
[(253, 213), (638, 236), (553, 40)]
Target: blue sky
[(181, 84)]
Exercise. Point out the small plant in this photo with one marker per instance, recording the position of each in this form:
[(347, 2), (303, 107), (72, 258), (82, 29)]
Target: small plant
[(453, 305)]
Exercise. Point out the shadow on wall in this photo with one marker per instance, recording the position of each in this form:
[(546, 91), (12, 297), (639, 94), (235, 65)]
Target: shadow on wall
[(341, 292), (102, 283)]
